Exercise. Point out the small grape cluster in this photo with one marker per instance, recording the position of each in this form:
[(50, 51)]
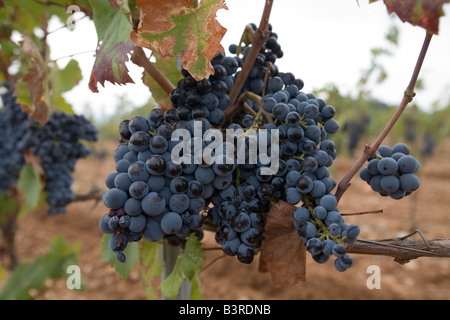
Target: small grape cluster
[(57, 144), (305, 124), (324, 231), (15, 137), (391, 171)]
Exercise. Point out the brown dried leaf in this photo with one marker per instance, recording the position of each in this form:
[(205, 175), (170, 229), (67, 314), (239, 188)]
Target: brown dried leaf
[(283, 253), (31, 93)]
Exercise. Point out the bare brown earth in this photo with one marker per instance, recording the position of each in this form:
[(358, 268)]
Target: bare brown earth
[(226, 278)]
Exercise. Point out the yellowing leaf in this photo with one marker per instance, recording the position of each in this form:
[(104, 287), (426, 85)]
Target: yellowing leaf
[(283, 254), (175, 28), (421, 13)]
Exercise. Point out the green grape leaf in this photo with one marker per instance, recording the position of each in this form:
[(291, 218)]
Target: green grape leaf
[(421, 13), (63, 80), (29, 183), (32, 276), (196, 293), (151, 266), (113, 31), (176, 28), (190, 261), (122, 268)]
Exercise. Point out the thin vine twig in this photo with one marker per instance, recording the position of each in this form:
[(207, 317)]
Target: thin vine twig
[(73, 55), (362, 213), (258, 40), (369, 151)]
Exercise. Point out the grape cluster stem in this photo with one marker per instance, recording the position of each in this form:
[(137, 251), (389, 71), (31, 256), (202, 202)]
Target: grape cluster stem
[(258, 40)]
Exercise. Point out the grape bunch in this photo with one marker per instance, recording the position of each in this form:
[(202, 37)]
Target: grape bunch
[(58, 145), (324, 231), (15, 134), (391, 171), (305, 124), (154, 196)]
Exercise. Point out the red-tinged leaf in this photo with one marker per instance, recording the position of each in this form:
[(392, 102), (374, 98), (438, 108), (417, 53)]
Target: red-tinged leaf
[(30, 91), (423, 13), (175, 28), (283, 253), (113, 30)]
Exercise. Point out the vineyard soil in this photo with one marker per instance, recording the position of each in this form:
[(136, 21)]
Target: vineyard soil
[(226, 278)]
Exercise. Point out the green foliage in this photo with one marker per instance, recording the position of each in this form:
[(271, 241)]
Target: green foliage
[(7, 206), (188, 263), (63, 80), (29, 184), (392, 35), (196, 293), (151, 266), (32, 276), (131, 252)]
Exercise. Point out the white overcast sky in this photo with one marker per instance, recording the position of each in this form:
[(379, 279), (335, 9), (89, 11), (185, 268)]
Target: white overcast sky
[(324, 41)]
